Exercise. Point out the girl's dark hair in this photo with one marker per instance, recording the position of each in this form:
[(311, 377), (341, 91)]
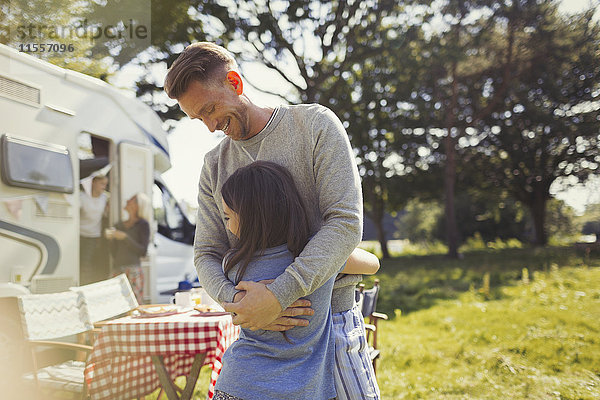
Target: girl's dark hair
[(270, 209)]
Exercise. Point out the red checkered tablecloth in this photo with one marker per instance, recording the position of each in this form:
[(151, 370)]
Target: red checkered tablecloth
[(120, 366)]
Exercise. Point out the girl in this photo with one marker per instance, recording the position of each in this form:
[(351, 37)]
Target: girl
[(264, 210), (354, 374)]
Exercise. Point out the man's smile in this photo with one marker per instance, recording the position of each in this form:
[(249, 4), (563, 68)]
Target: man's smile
[(224, 128)]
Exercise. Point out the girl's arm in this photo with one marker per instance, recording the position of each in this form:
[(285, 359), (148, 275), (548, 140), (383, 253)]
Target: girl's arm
[(361, 262)]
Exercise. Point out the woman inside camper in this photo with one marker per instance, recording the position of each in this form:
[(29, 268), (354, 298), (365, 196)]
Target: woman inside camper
[(93, 208), (129, 242)]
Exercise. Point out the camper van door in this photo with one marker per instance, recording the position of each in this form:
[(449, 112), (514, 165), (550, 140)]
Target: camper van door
[(136, 171)]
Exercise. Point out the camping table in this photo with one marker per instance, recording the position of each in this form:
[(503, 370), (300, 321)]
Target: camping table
[(133, 356)]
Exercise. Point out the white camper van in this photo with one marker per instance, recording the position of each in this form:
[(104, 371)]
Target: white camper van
[(56, 127)]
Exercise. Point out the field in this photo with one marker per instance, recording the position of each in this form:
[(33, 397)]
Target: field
[(451, 336), (454, 339)]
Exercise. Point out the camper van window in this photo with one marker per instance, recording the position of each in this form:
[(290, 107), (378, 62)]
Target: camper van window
[(36, 165), (167, 214)]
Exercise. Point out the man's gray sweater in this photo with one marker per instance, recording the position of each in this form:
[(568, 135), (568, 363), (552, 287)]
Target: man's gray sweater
[(311, 142)]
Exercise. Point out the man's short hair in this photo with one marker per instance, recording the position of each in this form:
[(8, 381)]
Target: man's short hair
[(201, 62)]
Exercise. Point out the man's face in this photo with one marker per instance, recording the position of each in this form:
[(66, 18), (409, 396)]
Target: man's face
[(218, 106)]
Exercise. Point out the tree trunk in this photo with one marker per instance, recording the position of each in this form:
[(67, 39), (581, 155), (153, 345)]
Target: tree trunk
[(377, 215), (538, 213), (449, 182), (450, 170), (381, 237)]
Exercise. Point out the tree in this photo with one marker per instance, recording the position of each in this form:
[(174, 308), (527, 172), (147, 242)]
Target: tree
[(447, 97), (368, 104), (59, 23), (561, 222), (548, 125), (337, 53), (174, 25)]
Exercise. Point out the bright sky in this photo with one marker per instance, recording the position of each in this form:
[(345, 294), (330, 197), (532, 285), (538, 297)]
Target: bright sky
[(571, 6), (191, 140)]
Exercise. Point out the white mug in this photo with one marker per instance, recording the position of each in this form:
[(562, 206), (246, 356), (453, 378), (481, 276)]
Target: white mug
[(183, 299)]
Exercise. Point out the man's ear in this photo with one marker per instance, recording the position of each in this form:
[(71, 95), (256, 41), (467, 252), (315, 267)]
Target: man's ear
[(235, 80)]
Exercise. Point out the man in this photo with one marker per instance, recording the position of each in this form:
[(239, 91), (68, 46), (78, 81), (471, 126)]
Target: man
[(310, 141)]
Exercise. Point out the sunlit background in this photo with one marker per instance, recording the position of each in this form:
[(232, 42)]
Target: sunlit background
[(191, 140)]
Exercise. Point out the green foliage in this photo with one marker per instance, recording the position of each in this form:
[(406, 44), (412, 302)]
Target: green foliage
[(508, 93), (405, 248), (487, 219), (423, 248), (592, 212), (499, 244), (476, 243), (490, 212), (25, 22), (372, 247), (419, 221), (561, 222)]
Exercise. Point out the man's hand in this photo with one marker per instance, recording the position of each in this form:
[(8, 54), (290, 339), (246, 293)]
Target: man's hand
[(258, 308), (287, 319), (239, 296)]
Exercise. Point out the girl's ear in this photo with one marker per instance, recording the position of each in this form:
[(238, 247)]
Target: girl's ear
[(235, 80)]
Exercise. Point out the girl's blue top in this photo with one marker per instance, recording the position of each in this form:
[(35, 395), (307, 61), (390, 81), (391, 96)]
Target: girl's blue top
[(262, 365)]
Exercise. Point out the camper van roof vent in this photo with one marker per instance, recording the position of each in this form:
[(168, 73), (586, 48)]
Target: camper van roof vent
[(19, 91)]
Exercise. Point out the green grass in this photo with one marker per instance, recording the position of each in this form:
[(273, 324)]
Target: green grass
[(524, 341), (200, 391), (412, 283), (448, 339)]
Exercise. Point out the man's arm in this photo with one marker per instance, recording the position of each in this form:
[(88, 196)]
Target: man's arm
[(340, 201), (211, 242)]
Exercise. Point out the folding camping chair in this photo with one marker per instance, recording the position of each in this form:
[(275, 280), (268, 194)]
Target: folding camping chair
[(48, 321), (367, 302)]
